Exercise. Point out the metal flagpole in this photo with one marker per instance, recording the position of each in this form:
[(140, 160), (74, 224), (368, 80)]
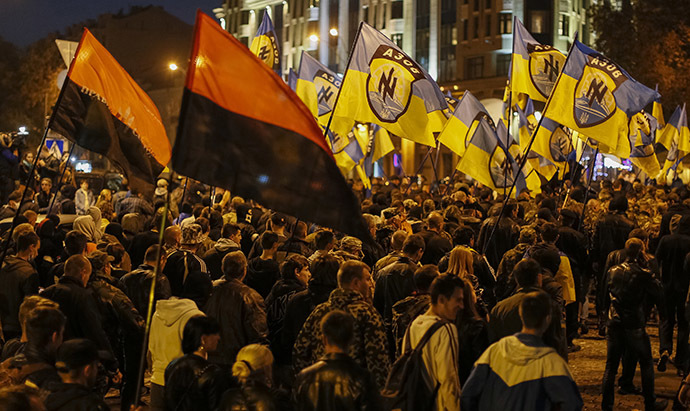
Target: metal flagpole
[(57, 190), (149, 313), (591, 174), (523, 160), (419, 169)]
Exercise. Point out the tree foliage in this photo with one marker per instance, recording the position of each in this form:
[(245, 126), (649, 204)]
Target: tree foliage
[(651, 40)]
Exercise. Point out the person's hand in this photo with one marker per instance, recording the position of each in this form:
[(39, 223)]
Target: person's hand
[(406, 226)]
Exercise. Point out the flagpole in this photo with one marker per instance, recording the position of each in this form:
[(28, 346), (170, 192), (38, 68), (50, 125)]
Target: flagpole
[(523, 160), (591, 174), (510, 105), (419, 169), (52, 201), (342, 83), (152, 291)]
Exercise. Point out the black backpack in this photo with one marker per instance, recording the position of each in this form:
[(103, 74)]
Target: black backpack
[(407, 387)]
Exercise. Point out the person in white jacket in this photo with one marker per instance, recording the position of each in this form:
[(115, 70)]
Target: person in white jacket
[(165, 342), (440, 354)]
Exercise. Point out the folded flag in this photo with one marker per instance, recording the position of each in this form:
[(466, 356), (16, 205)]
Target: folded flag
[(596, 97), (667, 133), (535, 66), (461, 125), (230, 136), (553, 142), (642, 155), (265, 45), (384, 86), (102, 109)]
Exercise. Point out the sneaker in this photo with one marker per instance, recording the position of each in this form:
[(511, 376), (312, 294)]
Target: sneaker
[(661, 367), (574, 348), (632, 390), (583, 328)]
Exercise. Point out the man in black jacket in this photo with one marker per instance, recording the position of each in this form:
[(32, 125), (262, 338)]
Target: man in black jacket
[(396, 281), (437, 245), (18, 279), (239, 309), (670, 255), (630, 289), (336, 382), (77, 364), (504, 238), (78, 304), (137, 284)]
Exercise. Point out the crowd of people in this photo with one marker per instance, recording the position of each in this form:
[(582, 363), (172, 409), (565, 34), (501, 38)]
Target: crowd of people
[(460, 299)]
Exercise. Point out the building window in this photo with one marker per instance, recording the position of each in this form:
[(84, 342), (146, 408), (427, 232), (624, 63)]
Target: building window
[(464, 29), (538, 22), (487, 26), (502, 64), (476, 5), (487, 4), (564, 25), (397, 10), (505, 23), (245, 41), (397, 39), (475, 30), (245, 17), (475, 68)]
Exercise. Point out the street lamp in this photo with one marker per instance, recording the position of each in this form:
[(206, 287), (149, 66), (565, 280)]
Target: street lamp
[(172, 66), (314, 38), (334, 32)]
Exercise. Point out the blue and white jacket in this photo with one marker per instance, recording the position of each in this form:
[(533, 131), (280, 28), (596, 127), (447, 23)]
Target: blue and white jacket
[(520, 372)]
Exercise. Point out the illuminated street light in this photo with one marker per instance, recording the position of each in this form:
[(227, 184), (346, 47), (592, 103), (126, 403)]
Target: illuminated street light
[(314, 38), (334, 32), (172, 66)]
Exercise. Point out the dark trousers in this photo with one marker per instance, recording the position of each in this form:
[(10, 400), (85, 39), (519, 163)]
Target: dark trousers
[(157, 398), (628, 373), (636, 341), (675, 312), (571, 321), (132, 353)]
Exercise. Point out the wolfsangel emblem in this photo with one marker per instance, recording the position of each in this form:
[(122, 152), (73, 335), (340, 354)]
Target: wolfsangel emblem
[(560, 144), (327, 87), (545, 64), (268, 50), (389, 84), (594, 98), (501, 168)]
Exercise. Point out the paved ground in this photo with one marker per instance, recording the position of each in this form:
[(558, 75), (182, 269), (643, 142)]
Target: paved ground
[(588, 364)]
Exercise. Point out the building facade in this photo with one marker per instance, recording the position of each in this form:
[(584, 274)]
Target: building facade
[(463, 44)]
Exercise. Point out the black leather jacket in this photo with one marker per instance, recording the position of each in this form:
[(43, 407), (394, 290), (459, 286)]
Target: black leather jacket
[(335, 382), (192, 383), (630, 288)]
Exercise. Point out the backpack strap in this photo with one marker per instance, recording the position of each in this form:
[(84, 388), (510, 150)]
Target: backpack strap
[(426, 337)]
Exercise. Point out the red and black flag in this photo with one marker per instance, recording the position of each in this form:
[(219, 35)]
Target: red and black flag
[(242, 128), (103, 110)]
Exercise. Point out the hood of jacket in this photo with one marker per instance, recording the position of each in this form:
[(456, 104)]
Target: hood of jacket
[(14, 263), (522, 349), (225, 244), (412, 304), (170, 311)]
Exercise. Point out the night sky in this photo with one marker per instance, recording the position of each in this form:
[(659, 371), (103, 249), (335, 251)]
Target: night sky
[(25, 21)]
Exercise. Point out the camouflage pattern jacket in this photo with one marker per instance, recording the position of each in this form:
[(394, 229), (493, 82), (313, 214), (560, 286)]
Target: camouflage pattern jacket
[(368, 347)]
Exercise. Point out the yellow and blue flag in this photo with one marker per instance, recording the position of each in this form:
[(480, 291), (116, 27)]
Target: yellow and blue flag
[(460, 127), (527, 124), (657, 111), (535, 66), (553, 142), (379, 145), (292, 79), (642, 155), (666, 135), (347, 151), (676, 131), (596, 97), (317, 86), (384, 86), (265, 45)]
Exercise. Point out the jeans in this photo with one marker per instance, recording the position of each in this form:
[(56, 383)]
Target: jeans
[(675, 309), (636, 341), (571, 321), (157, 398)]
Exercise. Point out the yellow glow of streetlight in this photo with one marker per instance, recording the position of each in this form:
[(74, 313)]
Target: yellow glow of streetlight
[(333, 31), (172, 66), (314, 38)]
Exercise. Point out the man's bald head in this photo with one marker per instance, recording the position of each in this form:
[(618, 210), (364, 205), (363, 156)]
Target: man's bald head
[(78, 267)]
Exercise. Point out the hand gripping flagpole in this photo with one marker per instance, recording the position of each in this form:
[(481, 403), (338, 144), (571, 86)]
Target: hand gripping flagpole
[(152, 292), (523, 159)]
